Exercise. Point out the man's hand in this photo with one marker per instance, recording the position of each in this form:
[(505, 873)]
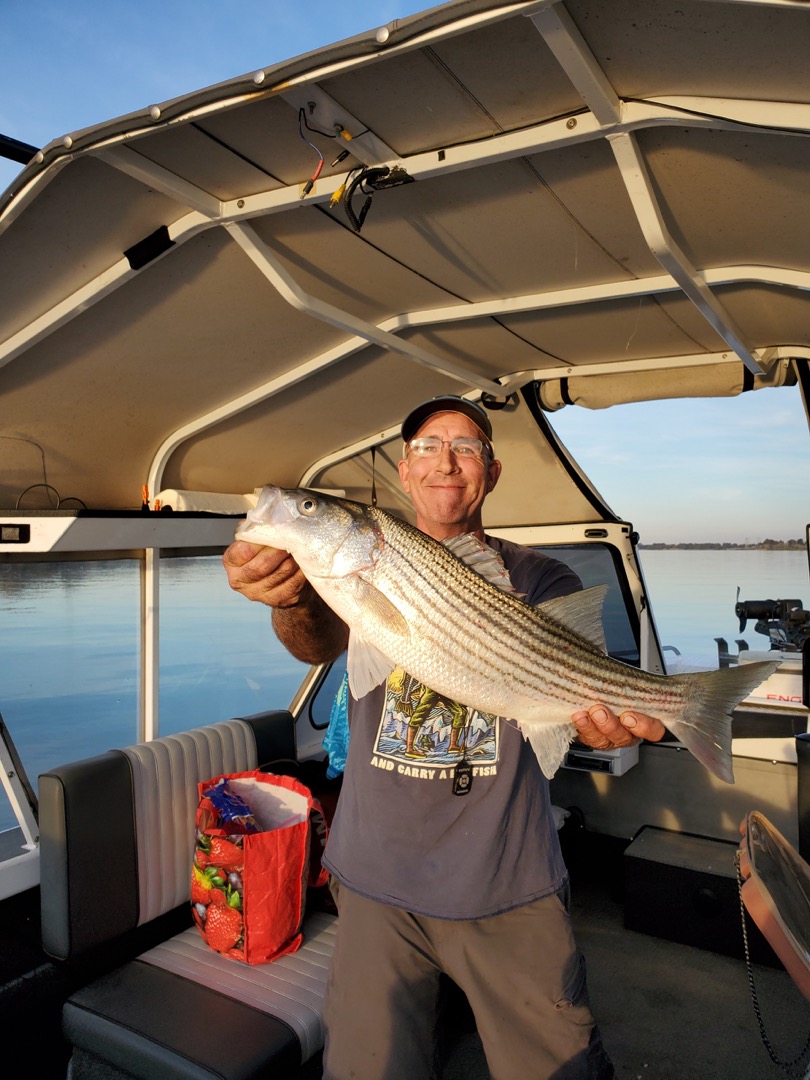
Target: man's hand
[(266, 574), (303, 623), (602, 729)]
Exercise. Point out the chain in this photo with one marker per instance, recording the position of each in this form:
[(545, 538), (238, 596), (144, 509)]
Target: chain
[(789, 1066)]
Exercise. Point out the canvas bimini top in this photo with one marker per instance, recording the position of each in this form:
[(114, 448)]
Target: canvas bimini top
[(540, 203)]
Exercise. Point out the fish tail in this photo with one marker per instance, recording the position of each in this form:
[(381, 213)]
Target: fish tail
[(705, 724)]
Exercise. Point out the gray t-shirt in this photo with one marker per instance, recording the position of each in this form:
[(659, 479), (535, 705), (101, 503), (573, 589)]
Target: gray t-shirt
[(400, 835)]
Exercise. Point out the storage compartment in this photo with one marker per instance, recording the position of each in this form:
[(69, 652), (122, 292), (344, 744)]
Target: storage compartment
[(684, 888)]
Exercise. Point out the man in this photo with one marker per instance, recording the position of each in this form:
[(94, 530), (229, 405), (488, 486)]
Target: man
[(440, 864)]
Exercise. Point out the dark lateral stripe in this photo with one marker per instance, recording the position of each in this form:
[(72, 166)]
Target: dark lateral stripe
[(524, 650)]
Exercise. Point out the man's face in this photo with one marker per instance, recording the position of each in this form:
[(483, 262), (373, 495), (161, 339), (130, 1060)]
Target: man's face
[(447, 491)]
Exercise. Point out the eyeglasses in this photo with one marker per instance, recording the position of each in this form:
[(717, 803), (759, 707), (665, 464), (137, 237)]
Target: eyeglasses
[(431, 446)]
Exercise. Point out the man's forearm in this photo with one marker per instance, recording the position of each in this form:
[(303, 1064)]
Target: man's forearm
[(310, 630)]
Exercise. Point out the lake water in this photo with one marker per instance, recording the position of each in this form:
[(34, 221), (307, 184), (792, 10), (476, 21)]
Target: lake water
[(693, 594), (69, 643)]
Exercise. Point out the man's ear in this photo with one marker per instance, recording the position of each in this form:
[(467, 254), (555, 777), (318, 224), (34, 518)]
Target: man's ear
[(403, 470), (493, 474)]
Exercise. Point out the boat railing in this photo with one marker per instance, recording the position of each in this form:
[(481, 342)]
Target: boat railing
[(20, 859)]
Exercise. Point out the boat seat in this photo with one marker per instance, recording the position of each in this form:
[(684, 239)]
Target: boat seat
[(149, 998)]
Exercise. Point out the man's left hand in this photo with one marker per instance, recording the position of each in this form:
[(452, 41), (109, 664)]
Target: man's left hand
[(602, 729)]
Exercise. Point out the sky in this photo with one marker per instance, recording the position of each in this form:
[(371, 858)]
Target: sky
[(67, 65)]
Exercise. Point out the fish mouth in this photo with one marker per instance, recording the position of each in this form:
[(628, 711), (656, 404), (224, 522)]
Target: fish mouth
[(270, 509), (267, 505)]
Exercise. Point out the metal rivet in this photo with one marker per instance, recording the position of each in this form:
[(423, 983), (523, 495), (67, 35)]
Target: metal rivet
[(240, 203), (570, 124), (259, 78), (154, 112), (383, 34), (67, 141)]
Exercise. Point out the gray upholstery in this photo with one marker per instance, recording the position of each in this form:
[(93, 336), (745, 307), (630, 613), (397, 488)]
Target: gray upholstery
[(141, 1021), (117, 836), (165, 775), (290, 988)]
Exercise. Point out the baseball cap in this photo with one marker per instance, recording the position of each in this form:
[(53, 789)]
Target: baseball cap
[(445, 403)]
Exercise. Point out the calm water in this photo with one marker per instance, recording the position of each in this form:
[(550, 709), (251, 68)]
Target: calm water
[(70, 647), (69, 643), (693, 594)]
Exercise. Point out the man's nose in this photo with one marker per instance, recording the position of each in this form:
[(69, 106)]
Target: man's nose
[(448, 462)]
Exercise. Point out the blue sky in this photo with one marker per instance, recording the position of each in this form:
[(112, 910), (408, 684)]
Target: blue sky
[(723, 470)]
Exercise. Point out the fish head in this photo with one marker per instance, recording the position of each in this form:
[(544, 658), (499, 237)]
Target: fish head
[(328, 537)]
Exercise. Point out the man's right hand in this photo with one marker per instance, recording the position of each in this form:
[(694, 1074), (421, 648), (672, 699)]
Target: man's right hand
[(304, 624), (266, 574)]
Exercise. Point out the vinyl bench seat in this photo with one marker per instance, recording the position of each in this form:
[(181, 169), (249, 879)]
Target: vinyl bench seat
[(117, 837)]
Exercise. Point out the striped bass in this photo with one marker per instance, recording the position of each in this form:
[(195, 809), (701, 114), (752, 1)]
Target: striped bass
[(410, 601)]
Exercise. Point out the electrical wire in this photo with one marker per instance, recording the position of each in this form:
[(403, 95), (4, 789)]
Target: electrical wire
[(365, 183), (732, 121), (302, 123), (22, 438), (59, 500), (44, 484)]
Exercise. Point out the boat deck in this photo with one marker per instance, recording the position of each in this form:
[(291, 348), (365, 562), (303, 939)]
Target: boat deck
[(668, 1011)]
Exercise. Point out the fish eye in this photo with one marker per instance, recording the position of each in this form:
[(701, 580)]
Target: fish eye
[(308, 506)]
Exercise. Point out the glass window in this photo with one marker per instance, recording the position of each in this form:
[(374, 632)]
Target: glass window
[(715, 488), (320, 704), (70, 656), (219, 656), (594, 564)]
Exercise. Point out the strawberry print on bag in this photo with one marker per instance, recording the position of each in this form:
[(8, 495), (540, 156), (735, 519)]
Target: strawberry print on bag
[(258, 843)]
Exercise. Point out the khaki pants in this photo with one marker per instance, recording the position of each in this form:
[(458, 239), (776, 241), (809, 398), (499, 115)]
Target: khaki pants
[(521, 971)]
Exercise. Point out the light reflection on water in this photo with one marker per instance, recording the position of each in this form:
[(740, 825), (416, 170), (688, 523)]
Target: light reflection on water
[(69, 643)]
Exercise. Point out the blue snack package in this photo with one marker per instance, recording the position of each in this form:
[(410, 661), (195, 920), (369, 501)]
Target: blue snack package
[(233, 811)]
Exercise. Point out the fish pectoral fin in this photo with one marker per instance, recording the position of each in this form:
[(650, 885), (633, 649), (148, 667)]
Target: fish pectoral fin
[(550, 742), (580, 612), (366, 665)]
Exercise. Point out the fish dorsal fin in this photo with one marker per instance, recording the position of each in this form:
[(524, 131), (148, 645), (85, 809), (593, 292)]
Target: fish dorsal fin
[(580, 612), (481, 558), (367, 665)]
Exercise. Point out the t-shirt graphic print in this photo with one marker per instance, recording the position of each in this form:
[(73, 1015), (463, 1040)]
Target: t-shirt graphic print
[(425, 735)]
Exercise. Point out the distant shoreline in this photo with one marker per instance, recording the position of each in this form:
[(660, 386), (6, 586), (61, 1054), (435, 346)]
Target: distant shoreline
[(764, 545)]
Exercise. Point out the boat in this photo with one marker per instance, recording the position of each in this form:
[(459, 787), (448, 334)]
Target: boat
[(537, 205)]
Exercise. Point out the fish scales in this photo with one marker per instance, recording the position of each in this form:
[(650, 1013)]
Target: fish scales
[(446, 596), (449, 596), (529, 643), (408, 600)]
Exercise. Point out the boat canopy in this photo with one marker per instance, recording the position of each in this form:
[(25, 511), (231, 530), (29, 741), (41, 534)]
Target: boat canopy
[(537, 203)]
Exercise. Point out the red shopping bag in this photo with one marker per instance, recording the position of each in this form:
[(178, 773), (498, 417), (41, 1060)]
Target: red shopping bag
[(258, 845)]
